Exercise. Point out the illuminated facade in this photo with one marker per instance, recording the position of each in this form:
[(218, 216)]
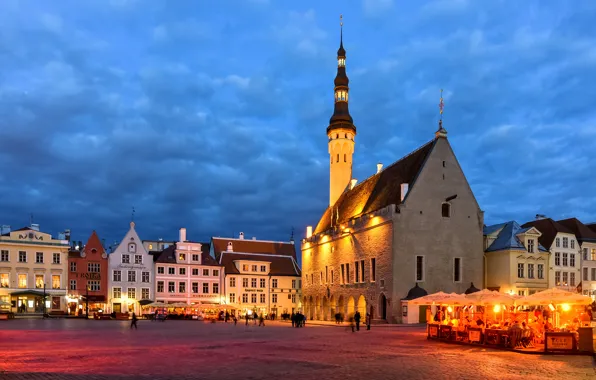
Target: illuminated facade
[(184, 272), (88, 278), (516, 262), (565, 259), (30, 261), (130, 275), (260, 276), (413, 222), (586, 239)]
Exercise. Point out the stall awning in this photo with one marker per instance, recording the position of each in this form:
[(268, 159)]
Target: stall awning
[(145, 302), (28, 293)]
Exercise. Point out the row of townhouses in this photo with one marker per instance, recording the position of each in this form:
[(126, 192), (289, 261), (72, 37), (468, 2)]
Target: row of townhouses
[(243, 274)]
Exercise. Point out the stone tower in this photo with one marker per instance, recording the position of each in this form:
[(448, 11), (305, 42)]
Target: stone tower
[(341, 131)]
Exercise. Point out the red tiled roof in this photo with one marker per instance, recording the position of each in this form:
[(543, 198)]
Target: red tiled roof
[(378, 191), (253, 246), (549, 229), (582, 232), (280, 265)]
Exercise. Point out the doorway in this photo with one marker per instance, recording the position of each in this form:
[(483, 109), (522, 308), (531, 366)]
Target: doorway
[(117, 308), (383, 306)]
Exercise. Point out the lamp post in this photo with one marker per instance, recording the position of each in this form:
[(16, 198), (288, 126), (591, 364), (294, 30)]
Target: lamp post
[(44, 299), (87, 303)]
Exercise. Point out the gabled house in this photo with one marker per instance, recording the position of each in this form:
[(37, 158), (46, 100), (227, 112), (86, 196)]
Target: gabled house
[(516, 262), (587, 254), (564, 263), (131, 275)]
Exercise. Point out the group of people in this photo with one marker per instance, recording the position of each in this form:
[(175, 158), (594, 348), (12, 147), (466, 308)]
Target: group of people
[(298, 319), (355, 321)]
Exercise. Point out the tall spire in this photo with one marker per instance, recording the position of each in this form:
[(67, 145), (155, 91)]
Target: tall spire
[(341, 114)]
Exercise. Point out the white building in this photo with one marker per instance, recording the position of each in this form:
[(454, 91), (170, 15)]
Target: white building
[(186, 273), (587, 253), (565, 261), (131, 277), (260, 276)]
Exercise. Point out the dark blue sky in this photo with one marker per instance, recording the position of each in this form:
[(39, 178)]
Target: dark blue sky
[(211, 114)]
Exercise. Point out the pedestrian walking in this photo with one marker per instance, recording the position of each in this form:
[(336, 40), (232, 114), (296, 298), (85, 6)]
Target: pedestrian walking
[(357, 320), (261, 320), (293, 317), (235, 320), (134, 321), (352, 323), (367, 320), (254, 317), (246, 319)]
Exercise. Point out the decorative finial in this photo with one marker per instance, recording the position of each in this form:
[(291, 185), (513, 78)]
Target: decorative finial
[(441, 105), (132, 216), (341, 30), (341, 21), (441, 132)]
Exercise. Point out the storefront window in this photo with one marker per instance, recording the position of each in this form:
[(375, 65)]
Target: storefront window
[(55, 302), (22, 280), (55, 281), (4, 280), (39, 281)]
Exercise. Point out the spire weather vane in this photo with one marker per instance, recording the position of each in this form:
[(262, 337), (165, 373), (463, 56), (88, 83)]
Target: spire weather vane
[(441, 105)]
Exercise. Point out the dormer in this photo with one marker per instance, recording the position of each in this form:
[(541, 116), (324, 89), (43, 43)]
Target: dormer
[(529, 238)]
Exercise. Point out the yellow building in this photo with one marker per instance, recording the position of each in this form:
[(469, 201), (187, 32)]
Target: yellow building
[(33, 265), (515, 261)]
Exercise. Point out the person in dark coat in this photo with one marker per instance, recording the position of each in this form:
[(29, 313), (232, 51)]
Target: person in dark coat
[(134, 321), (367, 320), (357, 320), (293, 317)]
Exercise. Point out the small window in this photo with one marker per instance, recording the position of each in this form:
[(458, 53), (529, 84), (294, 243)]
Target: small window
[(419, 268), (345, 157), (443, 163), (338, 157), (446, 210), (457, 269), (337, 135)]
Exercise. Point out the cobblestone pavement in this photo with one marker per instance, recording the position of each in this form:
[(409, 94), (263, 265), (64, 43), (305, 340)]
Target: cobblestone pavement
[(101, 350)]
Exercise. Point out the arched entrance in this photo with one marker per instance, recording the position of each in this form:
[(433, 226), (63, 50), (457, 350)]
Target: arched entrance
[(362, 306), (317, 308), (341, 306), (325, 309), (371, 312), (311, 308), (382, 306), (333, 307), (351, 306)]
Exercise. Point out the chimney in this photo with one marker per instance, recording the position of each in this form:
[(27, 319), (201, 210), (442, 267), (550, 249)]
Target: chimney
[(182, 234), (540, 216), (254, 238), (308, 231), (241, 237), (67, 234), (353, 183), (230, 247), (35, 227), (404, 190), (379, 167), (4, 229)]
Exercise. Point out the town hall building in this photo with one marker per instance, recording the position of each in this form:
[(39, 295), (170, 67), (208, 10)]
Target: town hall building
[(410, 228)]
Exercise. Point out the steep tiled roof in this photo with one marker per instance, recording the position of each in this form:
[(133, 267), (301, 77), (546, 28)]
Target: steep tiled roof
[(378, 191), (507, 237), (168, 255), (280, 265), (582, 232), (253, 246), (591, 226), (549, 229)]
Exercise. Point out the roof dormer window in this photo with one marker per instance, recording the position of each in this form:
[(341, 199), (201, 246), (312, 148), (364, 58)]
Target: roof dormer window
[(531, 245)]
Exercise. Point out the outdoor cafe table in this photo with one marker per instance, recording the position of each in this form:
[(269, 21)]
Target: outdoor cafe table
[(495, 337)]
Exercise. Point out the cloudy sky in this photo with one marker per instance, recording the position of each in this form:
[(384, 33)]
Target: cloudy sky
[(211, 114)]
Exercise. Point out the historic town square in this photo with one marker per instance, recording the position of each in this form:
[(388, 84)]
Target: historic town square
[(263, 189)]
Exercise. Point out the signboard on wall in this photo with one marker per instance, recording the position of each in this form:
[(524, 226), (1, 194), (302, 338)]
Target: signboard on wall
[(559, 342), (474, 335)]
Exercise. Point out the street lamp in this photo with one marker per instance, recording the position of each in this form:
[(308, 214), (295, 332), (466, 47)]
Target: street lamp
[(87, 303), (44, 299)]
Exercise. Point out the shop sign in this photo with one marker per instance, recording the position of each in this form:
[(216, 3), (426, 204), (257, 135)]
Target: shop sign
[(560, 342), (474, 336), (89, 276), (254, 290), (433, 331)]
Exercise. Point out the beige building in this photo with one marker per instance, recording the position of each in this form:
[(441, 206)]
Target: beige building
[(33, 265), (565, 260), (515, 261), (260, 276), (413, 222)]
